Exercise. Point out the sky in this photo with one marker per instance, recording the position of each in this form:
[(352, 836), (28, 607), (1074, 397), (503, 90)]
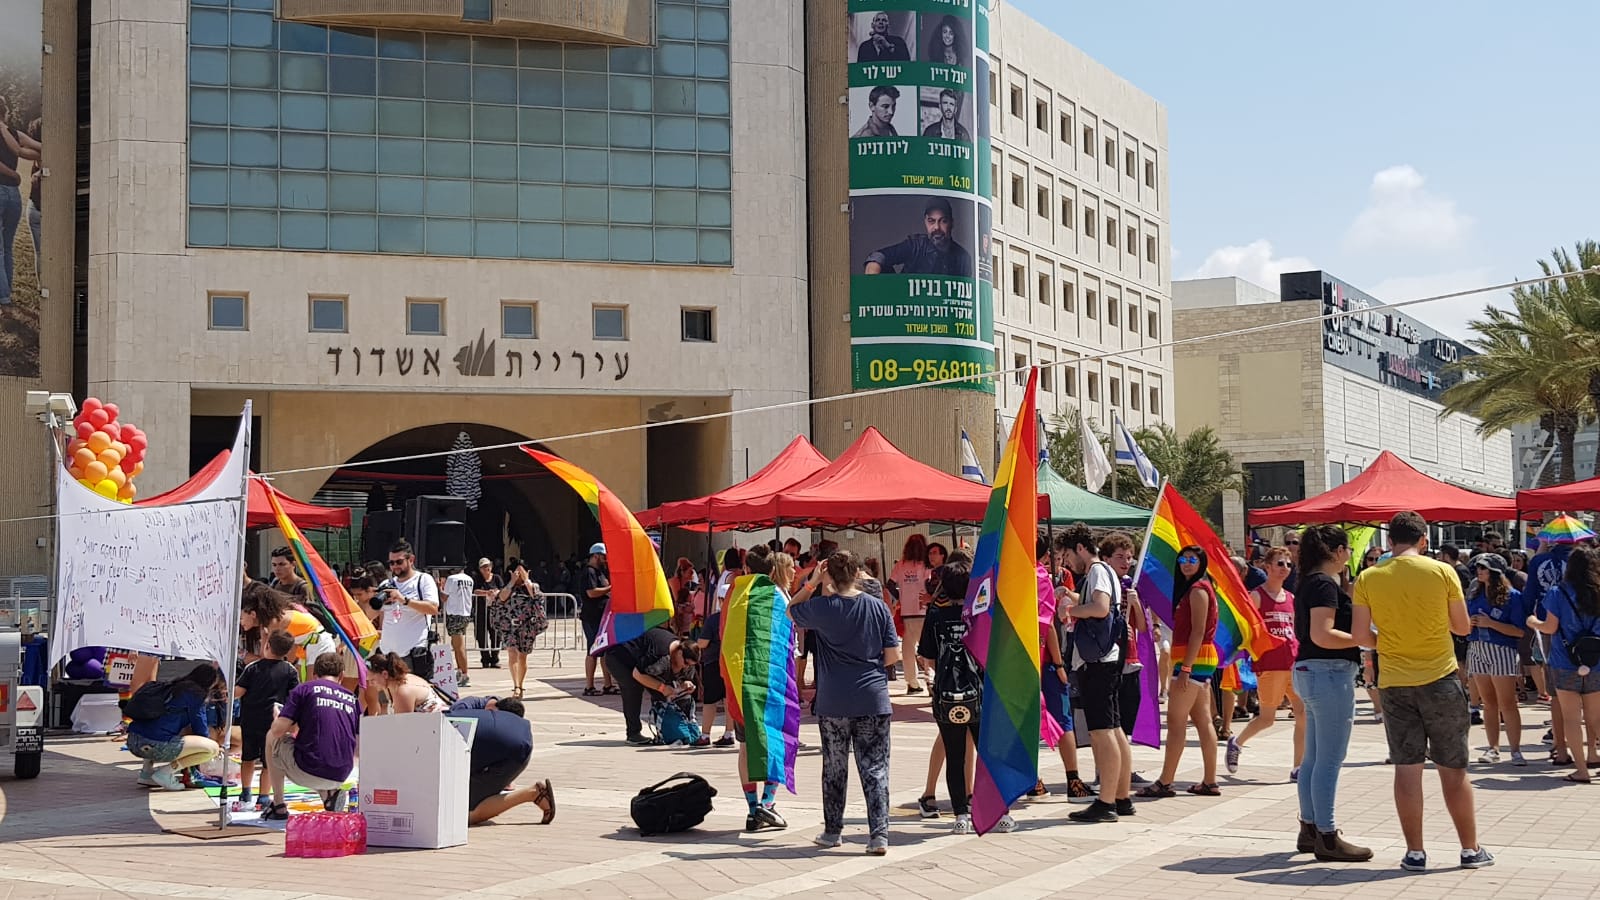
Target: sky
[(1411, 148)]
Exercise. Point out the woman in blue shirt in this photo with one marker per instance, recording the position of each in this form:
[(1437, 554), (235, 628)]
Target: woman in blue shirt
[(1498, 615), (1571, 613), (161, 740)]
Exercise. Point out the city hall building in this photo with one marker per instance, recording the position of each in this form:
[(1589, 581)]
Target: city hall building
[(395, 227)]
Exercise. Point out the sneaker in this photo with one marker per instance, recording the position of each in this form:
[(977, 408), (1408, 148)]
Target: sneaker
[(244, 798), (1549, 737), (1332, 847), (1414, 861), (913, 689), (1294, 775), (1232, 755), (828, 839), (927, 808), (463, 681), (639, 740), (878, 845), (1490, 757), (963, 825), (764, 817), (1136, 778), (1517, 759), (166, 779), (1125, 808), (1006, 825), (701, 741), (1095, 812), (725, 741), (1078, 792), (1476, 859)]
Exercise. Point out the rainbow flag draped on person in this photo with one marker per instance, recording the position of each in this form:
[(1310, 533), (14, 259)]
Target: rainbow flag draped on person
[(351, 624), (1002, 612), (758, 669), (640, 599), (1174, 525)]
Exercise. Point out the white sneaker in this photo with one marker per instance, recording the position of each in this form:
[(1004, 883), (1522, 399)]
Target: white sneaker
[(1006, 825), (1490, 756), (166, 779), (963, 825)]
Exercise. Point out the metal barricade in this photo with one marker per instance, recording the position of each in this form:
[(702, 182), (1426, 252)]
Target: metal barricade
[(565, 631)]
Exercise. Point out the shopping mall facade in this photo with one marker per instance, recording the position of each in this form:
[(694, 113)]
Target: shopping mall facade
[(390, 224)]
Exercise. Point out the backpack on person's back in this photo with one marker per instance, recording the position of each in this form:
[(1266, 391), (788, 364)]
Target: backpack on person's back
[(957, 680), (1584, 647), (149, 702)]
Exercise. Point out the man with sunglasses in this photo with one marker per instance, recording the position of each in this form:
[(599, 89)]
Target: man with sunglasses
[(1292, 541), (410, 597)]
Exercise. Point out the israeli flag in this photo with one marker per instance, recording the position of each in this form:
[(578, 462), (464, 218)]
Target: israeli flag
[(1129, 454), (970, 469)]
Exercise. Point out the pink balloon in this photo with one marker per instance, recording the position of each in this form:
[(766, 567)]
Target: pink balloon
[(113, 429), (99, 417), (111, 411), (91, 404), (85, 429)]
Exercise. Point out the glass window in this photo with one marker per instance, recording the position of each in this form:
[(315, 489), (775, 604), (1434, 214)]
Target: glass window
[(252, 69), (449, 237), (208, 66), (349, 75), (400, 44), (226, 312), (208, 106), (397, 156), (630, 131), (208, 145), (490, 85), (716, 173), (539, 88), (447, 197), (711, 61), (675, 207), (254, 109), (399, 78), (496, 239), (585, 91), (298, 190), (449, 82), (539, 54), (298, 36), (539, 201), (539, 164), (402, 196), (697, 326), (586, 204), (675, 59), (352, 41), (630, 93), (586, 166), (303, 230), (208, 227), (610, 323), (401, 117), (449, 47), (585, 242), (352, 193), (712, 25), (674, 133), (208, 187), (586, 129), (585, 57), (353, 154), (632, 60), (307, 112), (676, 245), (632, 207), (716, 210), (424, 316), (493, 201), (716, 247), (252, 228), (711, 98), (252, 187), (452, 159), (674, 95), (538, 241), (449, 120), (494, 162), (354, 233), (518, 320), (248, 29), (208, 28), (354, 115), (304, 73), (305, 151), (252, 148), (715, 136), (632, 244), (492, 51), (477, 10), (327, 314), (675, 170), (675, 21), (539, 126)]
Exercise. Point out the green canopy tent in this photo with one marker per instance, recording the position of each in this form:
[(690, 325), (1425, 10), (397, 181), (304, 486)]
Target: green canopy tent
[(1070, 503)]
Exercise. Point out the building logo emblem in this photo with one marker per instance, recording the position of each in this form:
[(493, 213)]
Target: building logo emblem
[(476, 359)]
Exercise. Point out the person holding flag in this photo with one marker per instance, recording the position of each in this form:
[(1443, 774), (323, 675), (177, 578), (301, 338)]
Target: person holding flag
[(1194, 631)]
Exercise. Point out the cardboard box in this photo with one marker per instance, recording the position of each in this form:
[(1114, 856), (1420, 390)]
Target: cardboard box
[(413, 781)]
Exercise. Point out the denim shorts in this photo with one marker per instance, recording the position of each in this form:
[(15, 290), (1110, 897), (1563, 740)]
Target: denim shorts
[(155, 751), (1570, 681)]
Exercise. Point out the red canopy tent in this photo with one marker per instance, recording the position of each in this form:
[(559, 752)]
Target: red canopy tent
[(258, 509), (1579, 495), (797, 462), (871, 485), (1390, 485)]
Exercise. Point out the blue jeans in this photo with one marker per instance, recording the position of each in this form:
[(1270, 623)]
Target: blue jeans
[(1327, 687), (10, 218)]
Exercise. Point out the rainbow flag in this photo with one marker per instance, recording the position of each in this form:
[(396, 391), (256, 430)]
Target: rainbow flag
[(640, 598), (1002, 613), (1174, 525), (351, 624), (758, 669)]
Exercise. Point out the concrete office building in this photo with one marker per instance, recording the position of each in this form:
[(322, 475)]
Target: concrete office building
[(1305, 407), (1538, 459), (388, 224)]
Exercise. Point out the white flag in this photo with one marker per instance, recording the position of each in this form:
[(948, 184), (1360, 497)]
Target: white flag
[(1096, 468), (1129, 454), (970, 469)]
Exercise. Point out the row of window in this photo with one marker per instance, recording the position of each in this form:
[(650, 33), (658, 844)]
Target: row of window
[(1116, 234), (1084, 138), (1137, 392), (1044, 291), (329, 314)]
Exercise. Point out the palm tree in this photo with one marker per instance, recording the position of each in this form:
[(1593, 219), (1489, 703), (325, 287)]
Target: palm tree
[(1578, 298), (1526, 366), (1196, 464)]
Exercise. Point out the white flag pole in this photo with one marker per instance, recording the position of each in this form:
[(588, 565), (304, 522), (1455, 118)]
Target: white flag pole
[(230, 666)]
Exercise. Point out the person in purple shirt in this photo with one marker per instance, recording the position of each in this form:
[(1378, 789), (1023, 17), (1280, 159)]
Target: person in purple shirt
[(321, 753)]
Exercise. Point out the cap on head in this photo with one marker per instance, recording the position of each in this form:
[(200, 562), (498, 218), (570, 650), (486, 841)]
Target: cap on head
[(484, 562), (1494, 561), (599, 549)]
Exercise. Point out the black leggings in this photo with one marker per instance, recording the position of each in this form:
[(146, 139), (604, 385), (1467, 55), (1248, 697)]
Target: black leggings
[(955, 763), (1129, 694), (620, 665)]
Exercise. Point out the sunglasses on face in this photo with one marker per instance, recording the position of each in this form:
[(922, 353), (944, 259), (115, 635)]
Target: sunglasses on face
[(1283, 564), (1291, 543), (396, 562), (1189, 560)]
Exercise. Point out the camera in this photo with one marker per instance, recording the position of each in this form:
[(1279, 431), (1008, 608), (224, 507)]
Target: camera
[(378, 598)]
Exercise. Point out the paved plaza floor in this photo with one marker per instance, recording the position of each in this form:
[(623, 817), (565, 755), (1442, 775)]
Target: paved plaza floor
[(84, 830)]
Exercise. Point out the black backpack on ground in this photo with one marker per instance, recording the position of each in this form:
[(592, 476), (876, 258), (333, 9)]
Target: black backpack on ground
[(665, 807), (957, 680), (150, 702)]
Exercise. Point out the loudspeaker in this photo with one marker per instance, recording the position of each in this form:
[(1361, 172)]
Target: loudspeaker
[(379, 530), (437, 529)]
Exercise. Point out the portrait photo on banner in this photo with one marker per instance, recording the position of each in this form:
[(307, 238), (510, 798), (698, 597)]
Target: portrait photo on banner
[(21, 108), (885, 110), (944, 41), (882, 36), (912, 234)]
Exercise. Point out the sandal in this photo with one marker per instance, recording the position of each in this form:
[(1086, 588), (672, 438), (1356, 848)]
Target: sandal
[(277, 812), (1573, 777), (611, 689), (1156, 791), (1560, 761), (591, 692), (546, 792), (516, 692), (1205, 789)]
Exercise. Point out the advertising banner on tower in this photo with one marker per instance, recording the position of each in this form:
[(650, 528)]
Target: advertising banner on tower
[(21, 102), (921, 284)]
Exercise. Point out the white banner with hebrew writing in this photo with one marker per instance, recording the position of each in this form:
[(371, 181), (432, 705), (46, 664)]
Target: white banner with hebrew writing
[(157, 579)]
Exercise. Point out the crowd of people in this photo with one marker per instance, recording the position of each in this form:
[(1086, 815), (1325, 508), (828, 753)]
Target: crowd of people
[(1440, 644)]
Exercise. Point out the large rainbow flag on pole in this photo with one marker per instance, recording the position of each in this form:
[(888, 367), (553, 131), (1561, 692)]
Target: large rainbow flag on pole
[(1003, 617), (351, 624), (758, 668), (640, 599), (1173, 526)]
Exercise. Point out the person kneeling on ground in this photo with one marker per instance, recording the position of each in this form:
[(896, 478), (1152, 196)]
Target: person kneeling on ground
[(161, 740), (655, 661), (501, 748), (321, 753)]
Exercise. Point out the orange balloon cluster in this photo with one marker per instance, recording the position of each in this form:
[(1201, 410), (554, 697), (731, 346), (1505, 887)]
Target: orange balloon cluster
[(106, 455)]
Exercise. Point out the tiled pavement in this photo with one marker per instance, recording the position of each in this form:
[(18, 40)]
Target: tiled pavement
[(84, 830)]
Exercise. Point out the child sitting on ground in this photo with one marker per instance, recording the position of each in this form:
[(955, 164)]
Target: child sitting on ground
[(263, 686)]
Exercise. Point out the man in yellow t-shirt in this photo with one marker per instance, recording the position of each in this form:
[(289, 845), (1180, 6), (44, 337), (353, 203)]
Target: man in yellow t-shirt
[(1414, 604)]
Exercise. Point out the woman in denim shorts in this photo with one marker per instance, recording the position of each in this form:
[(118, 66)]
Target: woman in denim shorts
[(1572, 618)]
